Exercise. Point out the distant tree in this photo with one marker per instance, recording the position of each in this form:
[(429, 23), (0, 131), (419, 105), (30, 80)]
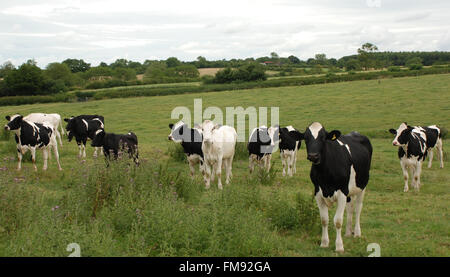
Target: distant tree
[(321, 59), (60, 72), (155, 70), (124, 74), (274, 56), (76, 65), (365, 55), (293, 59), (352, 64), (173, 62), (103, 64), (119, 63), (6, 68), (186, 71), (201, 62), (414, 63), (28, 79)]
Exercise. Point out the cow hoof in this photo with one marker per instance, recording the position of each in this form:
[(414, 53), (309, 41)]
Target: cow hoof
[(348, 234), (324, 244), (340, 250)]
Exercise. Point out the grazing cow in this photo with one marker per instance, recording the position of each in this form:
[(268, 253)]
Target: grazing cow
[(260, 146), (412, 151), (290, 142), (218, 146), (117, 144), (434, 139), (83, 127), (340, 172), (32, 136), (191, 141), (53, 119)]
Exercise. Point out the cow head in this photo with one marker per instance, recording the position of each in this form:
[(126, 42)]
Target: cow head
[(13, 122), (179, 132), (208, 127), (401, 134), (274, 134), (315, 138), (70, 128), (99, 138)]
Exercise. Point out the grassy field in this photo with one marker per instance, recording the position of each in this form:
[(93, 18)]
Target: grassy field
[(156, 211)]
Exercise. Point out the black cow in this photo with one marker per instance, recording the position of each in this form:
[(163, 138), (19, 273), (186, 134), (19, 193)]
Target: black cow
[(412, 151), (191, 141), (117, 144), (260, 146), (32, 136), (340, 172), (290, 142), (83, 127)]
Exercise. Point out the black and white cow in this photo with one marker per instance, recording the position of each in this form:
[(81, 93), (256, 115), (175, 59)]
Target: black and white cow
[(260, 147), (117, 144), (290, 142), (32, 136), (412, 151), (83, 127), (340, 172), (434, 140), (191, 141)]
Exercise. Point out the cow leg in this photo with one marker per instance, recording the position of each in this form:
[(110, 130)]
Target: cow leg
[(33, 157), (19, 158), (405, 175), (417, 173), (339, 218), (251, 163), (55, 150), (430, 157), (358, 208), (323, 210), (290, 161), (207, 175), (269, 157), (228, 167), (192, 168), (45, 151), (84, 148), (218, 171), (349, 211), (59, 136), (439, 152), (283, 162), (95, 152), (294, 165)]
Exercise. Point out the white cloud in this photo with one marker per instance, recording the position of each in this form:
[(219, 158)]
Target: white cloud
[(102, 30)]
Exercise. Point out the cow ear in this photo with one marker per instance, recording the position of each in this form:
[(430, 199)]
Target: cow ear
[(393, 131), (8, 117), (333, 135), (66, 119), (171, 125)]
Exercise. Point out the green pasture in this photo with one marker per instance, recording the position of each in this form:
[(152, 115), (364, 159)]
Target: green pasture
[(155, 210)]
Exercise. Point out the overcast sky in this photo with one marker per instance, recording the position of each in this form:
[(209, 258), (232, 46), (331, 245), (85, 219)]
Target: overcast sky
[(105, 30)]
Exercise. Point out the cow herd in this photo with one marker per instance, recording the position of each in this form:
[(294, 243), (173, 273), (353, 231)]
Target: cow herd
[(340, 164), (39, 131)]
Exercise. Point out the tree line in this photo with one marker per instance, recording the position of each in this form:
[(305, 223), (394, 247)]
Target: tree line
[(29, 79)]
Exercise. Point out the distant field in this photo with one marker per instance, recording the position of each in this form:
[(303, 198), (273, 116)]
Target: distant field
[(208, 71), (247, 218)]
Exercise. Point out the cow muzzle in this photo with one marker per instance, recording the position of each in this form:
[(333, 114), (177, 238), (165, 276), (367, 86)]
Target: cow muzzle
[(314, 158), (7, 128), (169, 137), (395, 143)]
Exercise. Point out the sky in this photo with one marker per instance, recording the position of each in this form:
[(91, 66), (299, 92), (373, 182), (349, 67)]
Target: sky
[(105, 30)]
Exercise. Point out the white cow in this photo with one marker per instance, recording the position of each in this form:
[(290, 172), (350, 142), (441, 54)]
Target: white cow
[(53, 119), (218, 146)]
